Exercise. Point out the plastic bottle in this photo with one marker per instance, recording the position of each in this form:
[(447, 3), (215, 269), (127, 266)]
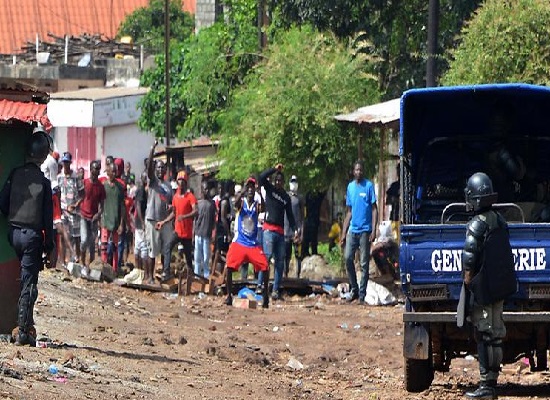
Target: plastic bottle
[(53, 369)]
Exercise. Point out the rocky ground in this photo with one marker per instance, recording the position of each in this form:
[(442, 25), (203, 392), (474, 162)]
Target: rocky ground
[(111, 342)]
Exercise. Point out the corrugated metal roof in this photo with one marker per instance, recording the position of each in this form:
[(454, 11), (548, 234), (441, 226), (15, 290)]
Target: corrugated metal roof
[(22, 20), (100, 93), (201, 141), (25, 112), (381, 113)]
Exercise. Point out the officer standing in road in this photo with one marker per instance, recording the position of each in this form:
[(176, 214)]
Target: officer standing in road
[(489, 277), (26, 200)]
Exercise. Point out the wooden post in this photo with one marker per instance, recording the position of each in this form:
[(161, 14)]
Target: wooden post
[(382, 177), (167, 72)]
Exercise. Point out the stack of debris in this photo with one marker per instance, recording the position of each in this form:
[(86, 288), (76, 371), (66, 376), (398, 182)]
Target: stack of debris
[(78, 48)]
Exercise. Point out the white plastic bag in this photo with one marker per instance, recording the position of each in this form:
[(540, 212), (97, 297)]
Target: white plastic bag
[(378, 295)]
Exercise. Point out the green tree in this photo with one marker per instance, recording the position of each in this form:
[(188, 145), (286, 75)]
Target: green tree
[(506, 41), (203, 72), (343, 17), (285, 111), (146, 25), (395, 31), (152, 105)]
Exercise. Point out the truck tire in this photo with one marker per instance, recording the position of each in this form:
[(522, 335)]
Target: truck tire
[(419, 375)]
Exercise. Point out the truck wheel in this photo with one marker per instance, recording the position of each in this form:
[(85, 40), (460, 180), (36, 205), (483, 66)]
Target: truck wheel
[(419, 375)]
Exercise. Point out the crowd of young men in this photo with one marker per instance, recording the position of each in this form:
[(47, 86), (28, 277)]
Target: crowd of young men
[(84, 208), (240, 228)]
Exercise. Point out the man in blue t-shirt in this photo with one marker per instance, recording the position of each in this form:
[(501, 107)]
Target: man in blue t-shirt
[(362, 221)]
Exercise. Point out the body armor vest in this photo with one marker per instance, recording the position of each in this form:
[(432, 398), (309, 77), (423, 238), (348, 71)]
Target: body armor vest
[(27, 197), (495, 279)]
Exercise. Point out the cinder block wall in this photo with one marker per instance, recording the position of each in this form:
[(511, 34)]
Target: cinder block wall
[(206, 13)]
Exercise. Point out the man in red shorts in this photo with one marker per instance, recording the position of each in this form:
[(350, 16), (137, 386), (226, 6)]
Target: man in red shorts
[(246, 249)]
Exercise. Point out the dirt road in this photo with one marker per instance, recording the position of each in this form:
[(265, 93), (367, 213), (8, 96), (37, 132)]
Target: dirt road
[(120, 343)]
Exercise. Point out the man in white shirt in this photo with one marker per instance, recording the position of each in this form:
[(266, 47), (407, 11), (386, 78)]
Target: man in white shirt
[(50, 168)]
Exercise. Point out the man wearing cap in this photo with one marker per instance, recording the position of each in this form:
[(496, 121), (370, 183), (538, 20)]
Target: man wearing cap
[(159, 203), (297, 204), (71, 193), (184, 209), (246, 248), (277, 204)]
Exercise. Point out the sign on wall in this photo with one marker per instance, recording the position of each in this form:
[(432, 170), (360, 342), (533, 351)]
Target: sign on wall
[(116, 111)]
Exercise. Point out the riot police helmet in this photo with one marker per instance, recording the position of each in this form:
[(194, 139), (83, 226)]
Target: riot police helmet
[(479, 192), (38, 145)]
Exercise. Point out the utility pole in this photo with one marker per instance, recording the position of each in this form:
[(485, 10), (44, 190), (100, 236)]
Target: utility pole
[(167, 71), (262, 22), (433, 28)]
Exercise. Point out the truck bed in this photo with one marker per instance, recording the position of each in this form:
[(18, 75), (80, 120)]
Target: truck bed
[(431, 260)]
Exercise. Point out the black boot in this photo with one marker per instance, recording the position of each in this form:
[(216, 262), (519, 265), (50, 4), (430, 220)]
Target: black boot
[(34, 297), (24, 338), (265, 288), (484, 392), (25, 320), (229, 286), (353, 296)]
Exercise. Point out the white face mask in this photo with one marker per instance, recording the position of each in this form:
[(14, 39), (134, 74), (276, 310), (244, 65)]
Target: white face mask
[(293, 186)]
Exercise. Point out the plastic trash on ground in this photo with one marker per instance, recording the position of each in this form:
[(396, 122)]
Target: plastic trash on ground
[(134, 276), (378, 295), (246, 293)]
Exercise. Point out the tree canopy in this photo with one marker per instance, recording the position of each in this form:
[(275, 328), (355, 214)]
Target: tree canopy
[(506, 41), (203, 71), (146, 25), (323, 58), (285, 110), (395, 32), (206, 68)]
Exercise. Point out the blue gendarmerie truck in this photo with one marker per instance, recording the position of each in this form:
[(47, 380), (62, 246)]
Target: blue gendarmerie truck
[(446, 135)]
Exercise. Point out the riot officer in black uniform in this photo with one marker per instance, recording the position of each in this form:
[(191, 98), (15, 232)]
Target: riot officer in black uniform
[(26, 199), (488, 273)]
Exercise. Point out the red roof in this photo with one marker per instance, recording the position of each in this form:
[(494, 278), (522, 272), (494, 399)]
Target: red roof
[(25, 112), (22, 20)]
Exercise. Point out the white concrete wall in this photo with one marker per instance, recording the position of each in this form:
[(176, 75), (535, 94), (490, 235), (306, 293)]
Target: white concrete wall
[(71, 112), (60, 139), (129, 143)]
